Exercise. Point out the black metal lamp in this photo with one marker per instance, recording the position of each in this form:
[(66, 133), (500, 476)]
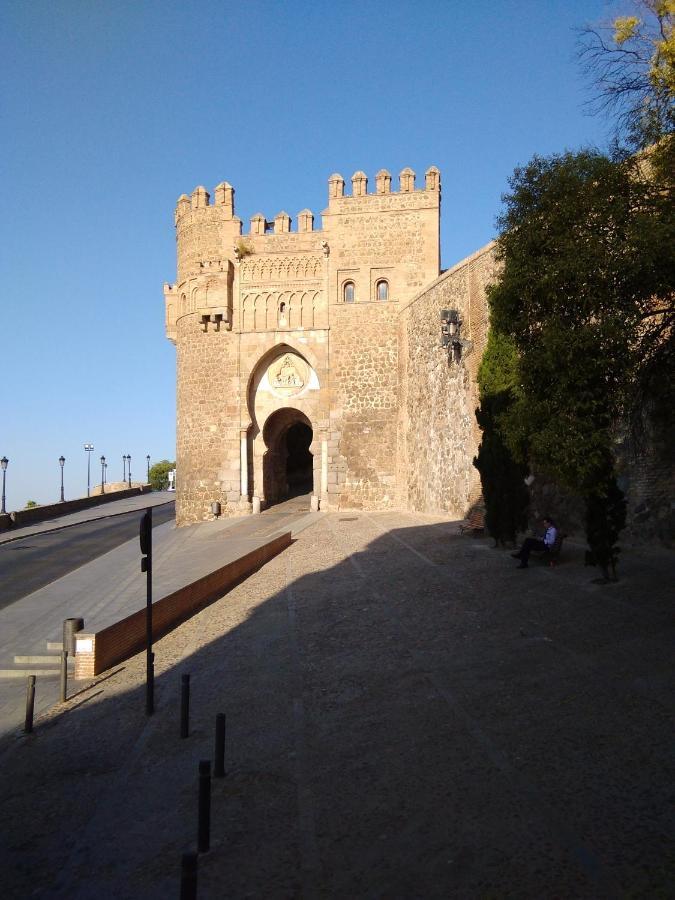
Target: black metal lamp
[(129, 460), (451, 327), (103, 474), (148, 462)]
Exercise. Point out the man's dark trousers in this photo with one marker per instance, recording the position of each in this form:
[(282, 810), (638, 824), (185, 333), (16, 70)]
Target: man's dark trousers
[(529, 545)]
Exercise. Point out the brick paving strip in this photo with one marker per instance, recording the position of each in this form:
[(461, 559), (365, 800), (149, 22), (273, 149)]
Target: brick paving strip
[(408, 716)]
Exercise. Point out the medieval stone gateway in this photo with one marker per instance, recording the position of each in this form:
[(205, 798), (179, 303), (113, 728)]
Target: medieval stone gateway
[(314, 360)]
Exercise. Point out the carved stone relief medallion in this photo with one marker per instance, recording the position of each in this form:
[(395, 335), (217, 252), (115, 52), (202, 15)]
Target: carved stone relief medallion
[(288, 375)]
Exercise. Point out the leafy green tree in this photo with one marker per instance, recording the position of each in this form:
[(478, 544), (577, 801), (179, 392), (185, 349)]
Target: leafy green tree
[(502, 476), (605, 519), (159, 474), (31, 504), (586, 297)]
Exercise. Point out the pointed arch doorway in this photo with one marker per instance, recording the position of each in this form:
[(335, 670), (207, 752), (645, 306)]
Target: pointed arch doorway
[(288, 463)]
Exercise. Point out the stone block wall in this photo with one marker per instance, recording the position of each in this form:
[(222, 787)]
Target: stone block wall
[(437, 431), (207, 401), (364, 403)]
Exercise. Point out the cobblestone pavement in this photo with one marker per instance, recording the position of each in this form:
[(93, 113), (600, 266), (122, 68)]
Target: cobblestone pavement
[(408, 715)]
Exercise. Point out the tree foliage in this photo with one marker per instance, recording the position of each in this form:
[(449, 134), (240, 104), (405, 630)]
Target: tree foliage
[(631, 64), (159, 474), (586, 297), (605, 519), (502, 475), (586, 294)]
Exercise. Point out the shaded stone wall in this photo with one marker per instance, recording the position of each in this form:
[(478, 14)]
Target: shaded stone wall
[(437, 431), (646, 474)]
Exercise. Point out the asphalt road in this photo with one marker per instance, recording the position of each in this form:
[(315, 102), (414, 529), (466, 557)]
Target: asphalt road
[(34, 561)]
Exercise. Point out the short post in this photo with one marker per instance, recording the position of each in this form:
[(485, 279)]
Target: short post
[(146, 566), (64, 676), (30, 704), (219, 764), (204, 831), (188, 876), (185, 706), (70, 629)]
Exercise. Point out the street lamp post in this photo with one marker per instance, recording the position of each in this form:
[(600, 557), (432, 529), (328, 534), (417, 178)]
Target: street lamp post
[(124, 462), (129, 458), (103, 474), (3, 464), (148, 461), (88, 448), (62, 461)]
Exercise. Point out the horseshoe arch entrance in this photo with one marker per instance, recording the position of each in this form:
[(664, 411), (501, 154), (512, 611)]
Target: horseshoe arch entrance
[(288, 463)]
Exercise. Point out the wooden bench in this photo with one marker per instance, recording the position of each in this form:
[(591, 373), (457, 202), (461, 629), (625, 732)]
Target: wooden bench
[(550, 556), (474, 524)]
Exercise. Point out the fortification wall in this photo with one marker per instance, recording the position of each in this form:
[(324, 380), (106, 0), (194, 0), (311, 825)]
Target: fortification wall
[(238, 297), (207, 426), (364, 403), (437, 431), (392, 236)]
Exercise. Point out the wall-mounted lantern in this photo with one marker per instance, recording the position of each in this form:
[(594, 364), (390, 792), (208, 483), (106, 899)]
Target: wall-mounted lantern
[(451, 337)]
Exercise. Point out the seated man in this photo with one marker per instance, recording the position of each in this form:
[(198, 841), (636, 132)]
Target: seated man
[(530, 544)]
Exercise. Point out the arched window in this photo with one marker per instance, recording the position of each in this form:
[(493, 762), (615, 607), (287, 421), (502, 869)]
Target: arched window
[(348, 292), (382, 289)]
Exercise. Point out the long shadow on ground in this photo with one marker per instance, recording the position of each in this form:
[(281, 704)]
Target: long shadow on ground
[(408, 716)]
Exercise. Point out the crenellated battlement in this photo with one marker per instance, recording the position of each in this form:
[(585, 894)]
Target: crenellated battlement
[(223, 199), (336, 183)]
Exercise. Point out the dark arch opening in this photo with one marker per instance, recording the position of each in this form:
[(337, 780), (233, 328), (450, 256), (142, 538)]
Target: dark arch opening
[(288, 465), (299, 461)]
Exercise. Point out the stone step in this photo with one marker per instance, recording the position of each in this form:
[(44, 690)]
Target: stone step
[(55, 645)]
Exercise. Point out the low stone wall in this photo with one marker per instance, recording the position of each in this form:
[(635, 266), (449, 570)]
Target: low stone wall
[(96, 652), (52, 510)]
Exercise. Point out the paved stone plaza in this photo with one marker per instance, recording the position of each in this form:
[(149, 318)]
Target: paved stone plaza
[(411, 716)]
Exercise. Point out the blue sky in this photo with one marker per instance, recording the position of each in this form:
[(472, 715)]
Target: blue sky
[(110, 110)]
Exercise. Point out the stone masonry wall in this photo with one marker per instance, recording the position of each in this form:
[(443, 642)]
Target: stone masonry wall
[(207, 400), (364, 392), (437, 431)]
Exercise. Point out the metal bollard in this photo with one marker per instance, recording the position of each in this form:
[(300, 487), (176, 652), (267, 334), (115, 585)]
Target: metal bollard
[(64, 676), (204, 831), (185, 706), (30, 704), (188, 876), (219, 764)]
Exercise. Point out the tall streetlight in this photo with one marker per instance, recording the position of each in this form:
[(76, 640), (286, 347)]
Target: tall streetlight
[(88, 448), (148, 462), (3, 465), (124, 463), (129, 459), (103, 474), (62, 461)]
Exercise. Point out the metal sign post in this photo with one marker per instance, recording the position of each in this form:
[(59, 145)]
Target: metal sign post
[(146, 566)]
